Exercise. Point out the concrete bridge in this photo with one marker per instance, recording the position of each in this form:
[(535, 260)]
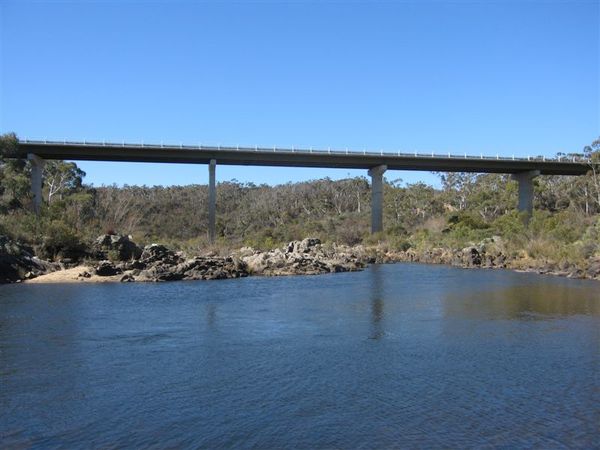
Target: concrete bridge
[(524, 170)]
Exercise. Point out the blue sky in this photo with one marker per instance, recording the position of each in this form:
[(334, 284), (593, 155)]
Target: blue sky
[(493, 77)]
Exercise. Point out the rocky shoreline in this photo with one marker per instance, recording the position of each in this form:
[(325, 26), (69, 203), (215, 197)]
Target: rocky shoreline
[(480, 257), (117, 258)]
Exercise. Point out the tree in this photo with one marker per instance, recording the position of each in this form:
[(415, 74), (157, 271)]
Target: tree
[(459, 185), (8, 145), (592, 153), (14, 174), (61, 177)]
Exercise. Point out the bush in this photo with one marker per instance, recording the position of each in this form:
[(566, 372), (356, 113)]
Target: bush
[(351, 232), (62, 241), (401, 244), (467, 220), (509, 225)]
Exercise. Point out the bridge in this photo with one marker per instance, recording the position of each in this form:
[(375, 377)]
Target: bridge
[(523, 170)]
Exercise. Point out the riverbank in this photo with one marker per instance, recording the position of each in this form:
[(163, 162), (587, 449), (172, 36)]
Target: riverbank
[(156, 263), (116, 258), (491, 254)]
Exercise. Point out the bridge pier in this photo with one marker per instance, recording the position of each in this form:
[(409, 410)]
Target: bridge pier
[(525, 180), (37, 171), (212, 201), (376, 174)]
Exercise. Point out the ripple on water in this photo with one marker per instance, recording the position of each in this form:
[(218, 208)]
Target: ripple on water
[(396, 356)]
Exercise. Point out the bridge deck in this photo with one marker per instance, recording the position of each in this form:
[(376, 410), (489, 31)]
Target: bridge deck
[(257, 156)]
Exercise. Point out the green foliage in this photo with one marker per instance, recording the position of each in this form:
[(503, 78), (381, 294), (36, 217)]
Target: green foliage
[(509, 225), (466, 220), (9, 144), (61, 179), (61, 241), (14, 176)]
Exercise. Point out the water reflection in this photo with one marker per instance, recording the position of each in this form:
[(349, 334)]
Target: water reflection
[(377, 303), (211, 315), (536, 299)]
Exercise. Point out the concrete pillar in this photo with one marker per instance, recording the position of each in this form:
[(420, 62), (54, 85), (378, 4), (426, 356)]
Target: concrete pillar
[(376, 174), (212, 201), (525, 180), (37, 172)]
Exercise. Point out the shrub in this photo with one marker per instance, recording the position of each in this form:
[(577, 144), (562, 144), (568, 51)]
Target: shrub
[(467, 220), (62, 241), (509, 225)]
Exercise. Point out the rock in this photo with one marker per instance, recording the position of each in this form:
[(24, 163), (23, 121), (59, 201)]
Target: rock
[(245, 251), (85, 274), (17, 262), (106, 269), (256, 263), (127, 278), (198, 268), (593, 270), (471, 257), (118, 246), (160, 272), (305, 246), (131, 265), (159, 253), (307, 257)]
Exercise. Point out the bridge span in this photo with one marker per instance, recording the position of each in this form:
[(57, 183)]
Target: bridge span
[(524, 170)]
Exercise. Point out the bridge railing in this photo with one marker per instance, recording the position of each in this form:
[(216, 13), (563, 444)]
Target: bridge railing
[(464, 156)]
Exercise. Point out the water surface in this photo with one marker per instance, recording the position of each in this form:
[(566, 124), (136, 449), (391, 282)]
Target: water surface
[(401, 355)]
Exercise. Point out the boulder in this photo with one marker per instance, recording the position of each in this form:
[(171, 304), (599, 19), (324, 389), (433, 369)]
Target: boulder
[(160, 272), (17, 262), (116, 246), (306, 257), (471, 257), (593, 270), (199, 268), (106, 269), (304, 246), (159, 253), (256, 263), (127, 278)]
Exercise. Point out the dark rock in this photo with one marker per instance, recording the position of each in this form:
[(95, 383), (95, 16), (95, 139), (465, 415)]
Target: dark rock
[(127, 278), (131, 265), (107, 269), (471, 257), (118, 246), (593, 270), (217, 275), (160, 272), (17, 262), (159, 253)]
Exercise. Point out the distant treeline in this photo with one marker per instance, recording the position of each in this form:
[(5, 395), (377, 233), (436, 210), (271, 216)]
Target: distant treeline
[(468, 207)]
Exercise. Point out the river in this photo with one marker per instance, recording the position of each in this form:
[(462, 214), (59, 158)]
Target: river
[(401, 355)]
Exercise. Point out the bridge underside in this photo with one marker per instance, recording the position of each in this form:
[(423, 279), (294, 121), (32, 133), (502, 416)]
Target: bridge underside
[(523, 170), (296, 158)]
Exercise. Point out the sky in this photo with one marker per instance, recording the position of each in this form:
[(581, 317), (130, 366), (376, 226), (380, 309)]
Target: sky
[(503, 77)]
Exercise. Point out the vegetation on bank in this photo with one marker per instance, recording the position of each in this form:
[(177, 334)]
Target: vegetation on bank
[(467, 209)]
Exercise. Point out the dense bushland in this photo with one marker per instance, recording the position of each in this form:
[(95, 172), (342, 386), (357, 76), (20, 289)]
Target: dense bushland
[(467, 209)]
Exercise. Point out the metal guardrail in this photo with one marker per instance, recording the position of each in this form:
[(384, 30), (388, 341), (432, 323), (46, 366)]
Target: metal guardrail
[(308, 151)]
